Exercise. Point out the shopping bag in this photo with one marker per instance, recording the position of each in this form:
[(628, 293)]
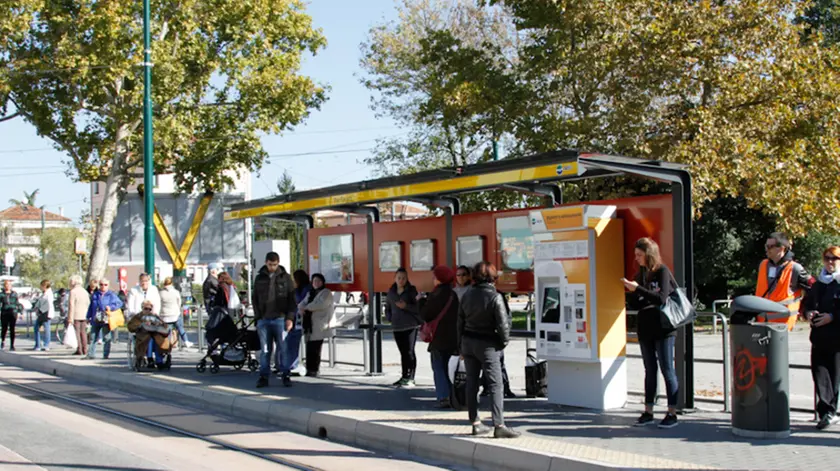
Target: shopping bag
[(116, 319), (458, 378), (70, 337), (677, 310)]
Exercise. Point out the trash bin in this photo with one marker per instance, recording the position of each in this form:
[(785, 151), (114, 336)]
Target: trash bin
[(760, 367)]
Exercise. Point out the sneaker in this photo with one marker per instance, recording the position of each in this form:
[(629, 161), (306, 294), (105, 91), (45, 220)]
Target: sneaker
[(670, 421), (188, 344), (509, 394), (287, 381), (826, 421), (310, 374), (11, 349), (407, 383), (505, 432), (480, 429), (262, 382), (46, 349), (3, 346), (398, 382), (645, 419), (443, 404)]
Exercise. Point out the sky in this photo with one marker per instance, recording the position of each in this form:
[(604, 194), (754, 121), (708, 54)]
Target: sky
[(344, 123)]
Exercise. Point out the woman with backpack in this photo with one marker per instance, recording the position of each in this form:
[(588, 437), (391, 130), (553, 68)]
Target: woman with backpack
[(439, 311)]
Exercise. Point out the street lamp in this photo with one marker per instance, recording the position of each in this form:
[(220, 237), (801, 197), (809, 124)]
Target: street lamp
[(148, 161)]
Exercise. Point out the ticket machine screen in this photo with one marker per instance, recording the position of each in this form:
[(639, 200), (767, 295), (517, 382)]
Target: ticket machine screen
[(551, 305)]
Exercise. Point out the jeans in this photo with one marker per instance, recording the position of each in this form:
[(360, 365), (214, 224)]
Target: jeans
[(95, 329), (81, 337), (272, 333), (313, 356), (825, 369), (662, 350), (292, 350), (406, 341), (179, 326), (8, 319), (483, 356), (39, 342), (440, 368)]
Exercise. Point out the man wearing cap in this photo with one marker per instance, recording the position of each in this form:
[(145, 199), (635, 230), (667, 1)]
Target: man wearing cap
[(211, 284)]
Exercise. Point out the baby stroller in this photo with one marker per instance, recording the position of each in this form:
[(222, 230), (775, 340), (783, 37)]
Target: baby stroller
[(229, 344)]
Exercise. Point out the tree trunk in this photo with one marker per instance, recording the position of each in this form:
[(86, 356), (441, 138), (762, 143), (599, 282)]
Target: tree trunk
[(108, 211)]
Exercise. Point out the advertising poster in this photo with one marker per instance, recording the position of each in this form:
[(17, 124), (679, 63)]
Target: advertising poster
[(390, 256), (336, 258), (422, 255)]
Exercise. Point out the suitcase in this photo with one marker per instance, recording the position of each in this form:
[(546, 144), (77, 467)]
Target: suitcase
[(536, 372)]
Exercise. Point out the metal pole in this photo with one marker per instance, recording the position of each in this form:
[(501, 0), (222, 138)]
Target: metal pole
[(495, 149), (200, 328), (726, 363), (332, 351), (148, 161)]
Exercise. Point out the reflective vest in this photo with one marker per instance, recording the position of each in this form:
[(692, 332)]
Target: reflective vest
[(781, 293)]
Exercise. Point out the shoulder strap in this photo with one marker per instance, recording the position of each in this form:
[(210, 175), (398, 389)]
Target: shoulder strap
[(775, 281)]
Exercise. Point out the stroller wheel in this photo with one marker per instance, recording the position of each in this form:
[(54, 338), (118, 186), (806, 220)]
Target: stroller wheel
[(201, 367), (238, 367), (253, 365), (214, 368)]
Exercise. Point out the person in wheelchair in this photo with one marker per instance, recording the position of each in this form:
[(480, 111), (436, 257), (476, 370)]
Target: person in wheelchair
[(151, 333)]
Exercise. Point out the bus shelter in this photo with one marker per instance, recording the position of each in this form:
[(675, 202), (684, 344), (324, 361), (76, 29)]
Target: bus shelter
[(441, 188)]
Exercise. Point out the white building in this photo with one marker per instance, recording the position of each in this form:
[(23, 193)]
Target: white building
[(217, 241), (20, 228)]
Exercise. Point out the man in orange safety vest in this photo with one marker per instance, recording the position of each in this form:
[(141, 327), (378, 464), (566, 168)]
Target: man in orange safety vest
[(782, 280)]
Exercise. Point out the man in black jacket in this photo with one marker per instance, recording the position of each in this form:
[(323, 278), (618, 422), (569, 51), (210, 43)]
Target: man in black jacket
[(273, 299)]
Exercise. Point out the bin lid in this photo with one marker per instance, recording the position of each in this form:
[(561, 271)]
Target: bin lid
[(756, 304)]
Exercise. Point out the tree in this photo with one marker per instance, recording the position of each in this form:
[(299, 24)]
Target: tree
[(28, 199), (823, 17), (60, 261), (410, 87), (729, 87), (225, 72)]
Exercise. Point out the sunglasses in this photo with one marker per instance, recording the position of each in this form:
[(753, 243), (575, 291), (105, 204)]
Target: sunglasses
[(771, 246), (831, 259)]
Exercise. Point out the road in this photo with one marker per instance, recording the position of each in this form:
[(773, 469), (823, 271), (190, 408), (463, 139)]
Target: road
[(45, 432)]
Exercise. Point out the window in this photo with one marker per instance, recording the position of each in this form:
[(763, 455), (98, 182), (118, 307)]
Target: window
[(516, 243)]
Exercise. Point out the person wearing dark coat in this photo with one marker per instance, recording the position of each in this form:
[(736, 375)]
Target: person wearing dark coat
[(441, 305), (822, 308), (483, 332)]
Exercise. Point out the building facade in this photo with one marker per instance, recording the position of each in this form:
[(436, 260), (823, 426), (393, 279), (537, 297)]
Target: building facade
[(217, 241), (21, 226)]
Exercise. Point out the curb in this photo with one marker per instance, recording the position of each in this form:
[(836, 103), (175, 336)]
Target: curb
[(389, 438)]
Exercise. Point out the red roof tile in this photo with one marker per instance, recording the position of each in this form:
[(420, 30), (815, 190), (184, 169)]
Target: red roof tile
[(29, 213)]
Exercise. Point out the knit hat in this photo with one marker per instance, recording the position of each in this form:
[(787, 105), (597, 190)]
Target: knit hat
[(444, 274)]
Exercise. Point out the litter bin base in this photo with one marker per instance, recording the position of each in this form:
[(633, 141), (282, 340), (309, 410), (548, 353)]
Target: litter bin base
[(760, 434)]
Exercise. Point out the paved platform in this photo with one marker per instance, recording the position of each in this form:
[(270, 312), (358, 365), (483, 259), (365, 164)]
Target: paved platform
[(348, 406)]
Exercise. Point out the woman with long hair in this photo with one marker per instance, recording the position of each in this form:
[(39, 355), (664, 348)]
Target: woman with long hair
[(822, 306), (291, 346), (650, 288), (404, 313)]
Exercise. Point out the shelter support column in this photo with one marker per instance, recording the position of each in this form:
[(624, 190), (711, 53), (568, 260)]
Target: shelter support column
[(684, 274)]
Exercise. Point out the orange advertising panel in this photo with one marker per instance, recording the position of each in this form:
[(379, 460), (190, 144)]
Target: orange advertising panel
[(430, 230)]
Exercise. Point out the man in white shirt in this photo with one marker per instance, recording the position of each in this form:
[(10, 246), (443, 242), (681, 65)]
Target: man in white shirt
[(144, 291)]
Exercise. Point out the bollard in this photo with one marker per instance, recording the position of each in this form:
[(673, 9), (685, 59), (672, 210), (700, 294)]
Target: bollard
[(200, 329), (332, 351), (28, 323)]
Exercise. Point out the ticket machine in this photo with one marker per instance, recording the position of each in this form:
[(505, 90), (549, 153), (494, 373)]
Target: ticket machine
[(580, 311)]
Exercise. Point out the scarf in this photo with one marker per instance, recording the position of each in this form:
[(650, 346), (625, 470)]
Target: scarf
[(826, 277), (313, 293)]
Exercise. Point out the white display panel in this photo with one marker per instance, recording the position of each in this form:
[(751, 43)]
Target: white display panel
[(335, 253), (390, 256), (422, 255), (469, 250)]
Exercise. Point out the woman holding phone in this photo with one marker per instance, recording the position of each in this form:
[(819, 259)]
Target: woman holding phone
[(650, 288)]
